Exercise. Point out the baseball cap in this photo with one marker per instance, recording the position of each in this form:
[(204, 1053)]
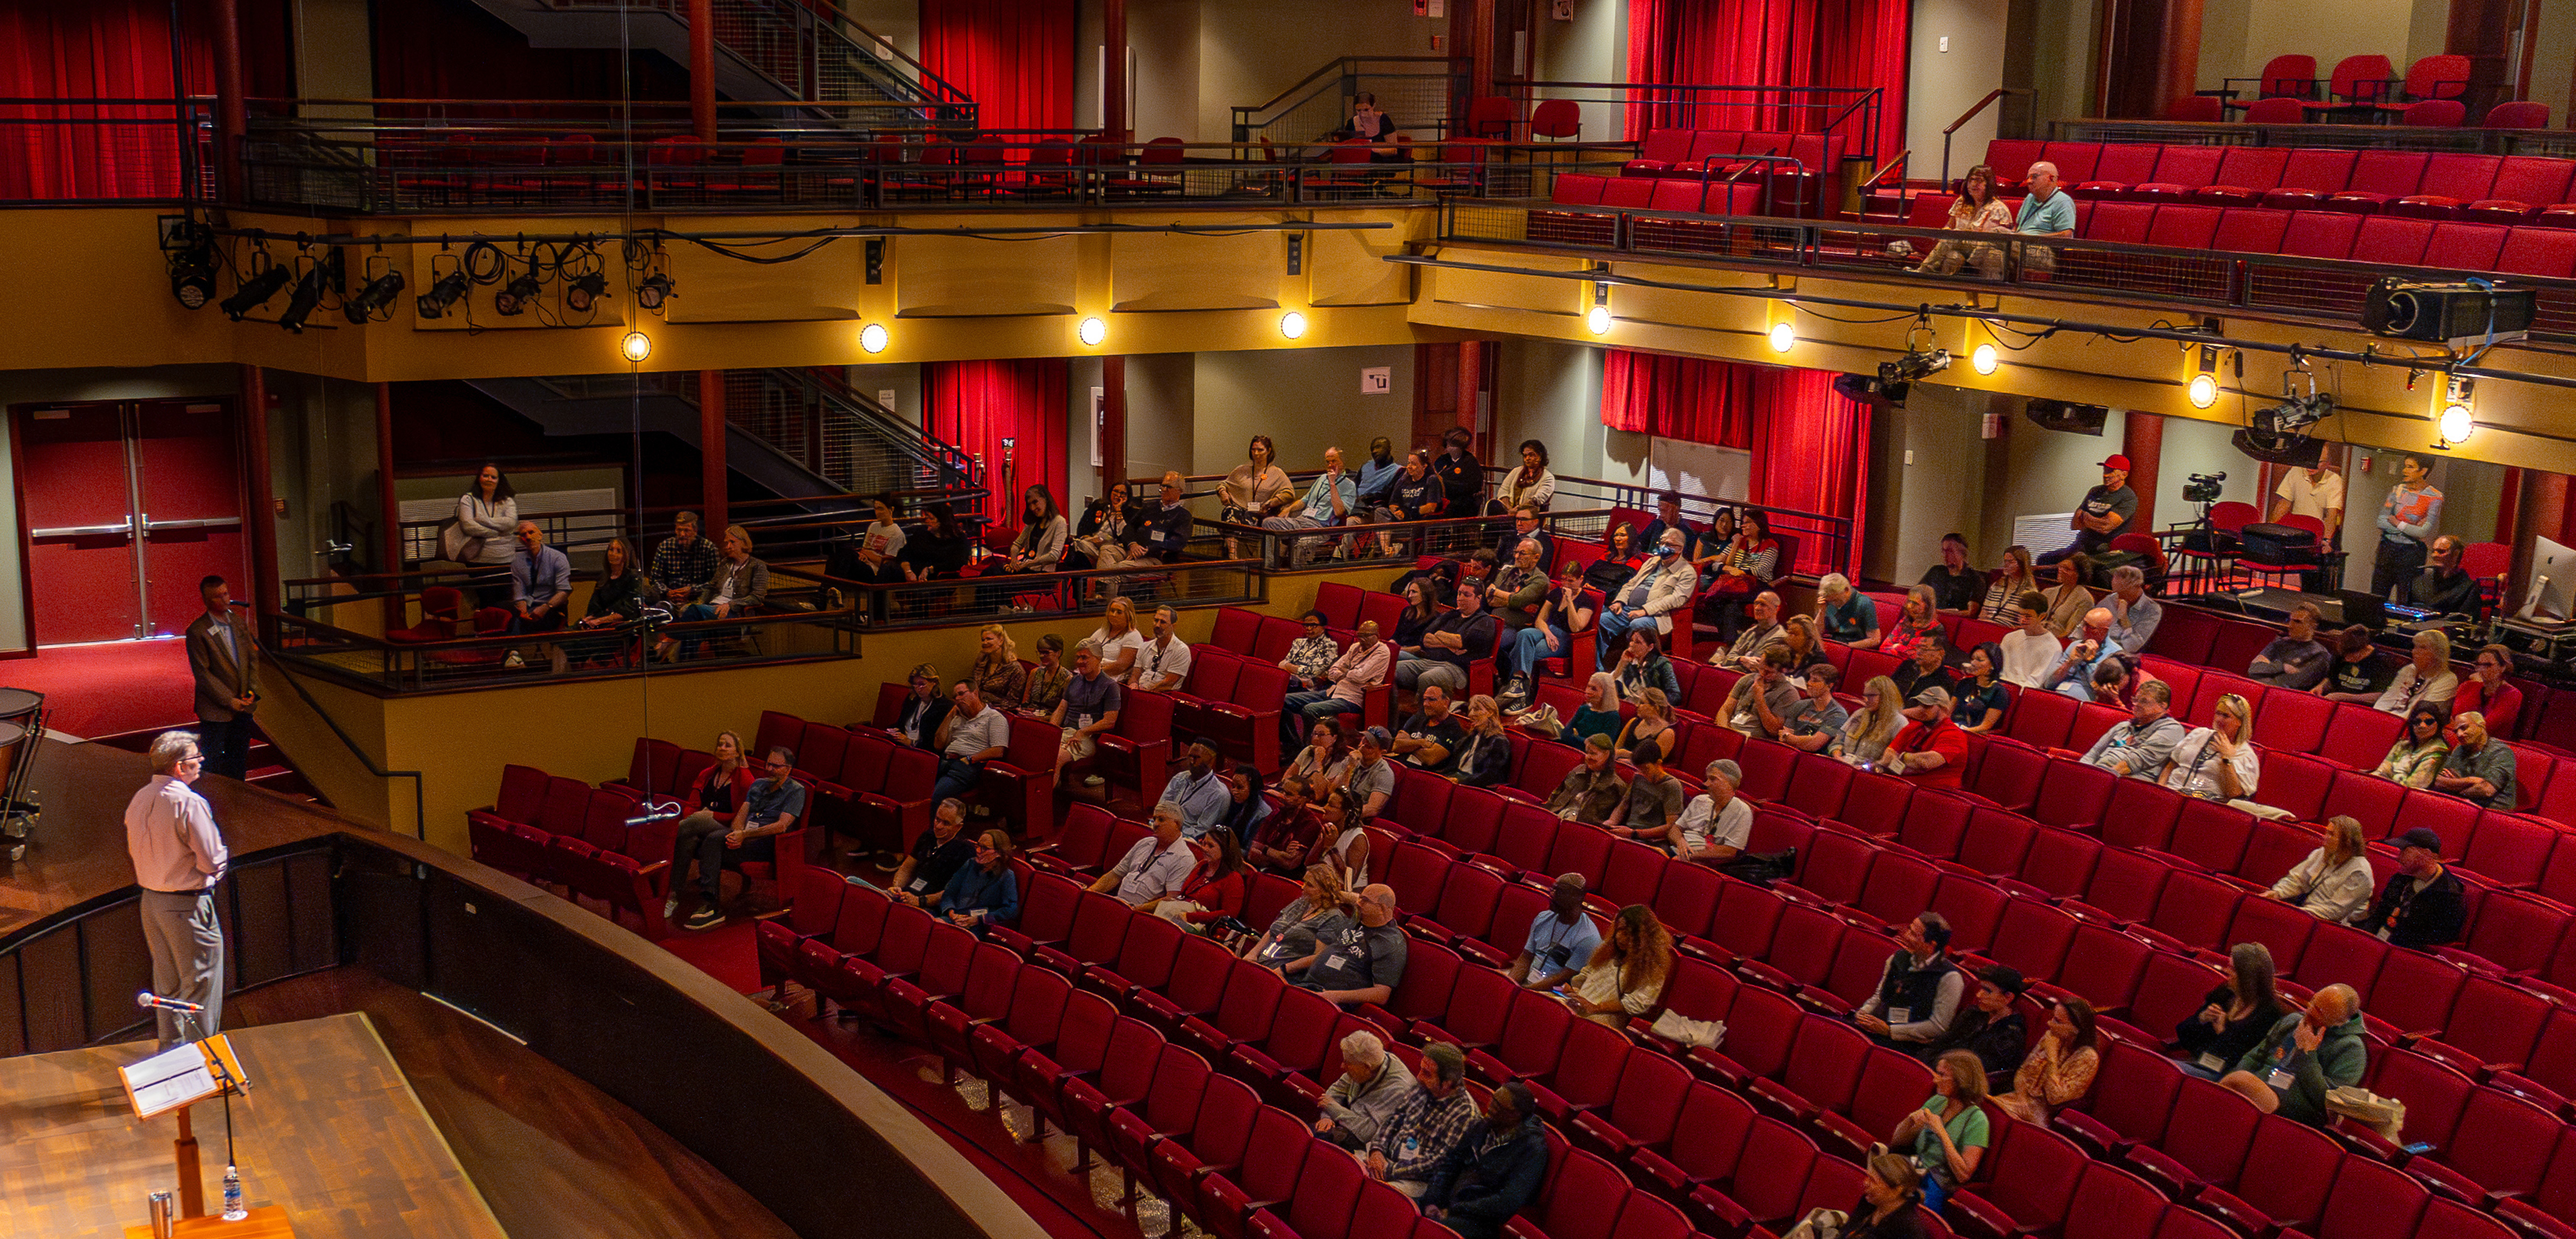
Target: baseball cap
[(1379, 736), (2118, 462), (1935, 696), (2005, 977), (2420, 837)]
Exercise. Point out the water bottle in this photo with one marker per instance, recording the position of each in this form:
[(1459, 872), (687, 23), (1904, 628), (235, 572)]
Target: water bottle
[(233, 1211)]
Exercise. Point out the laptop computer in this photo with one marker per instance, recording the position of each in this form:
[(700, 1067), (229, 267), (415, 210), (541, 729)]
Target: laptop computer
[(2364, 608)]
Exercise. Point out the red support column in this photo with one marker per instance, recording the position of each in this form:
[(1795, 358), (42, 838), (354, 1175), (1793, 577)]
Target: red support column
[(702, 71), (389, 518), (263, 499), (2144, 445), (712, 485), (1114, 120), (231, 114)]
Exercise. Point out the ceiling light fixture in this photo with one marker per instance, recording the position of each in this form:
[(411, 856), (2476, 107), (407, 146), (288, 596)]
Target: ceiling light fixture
[(1292, 325), (635, 346), (1092, 331), (873, 337)]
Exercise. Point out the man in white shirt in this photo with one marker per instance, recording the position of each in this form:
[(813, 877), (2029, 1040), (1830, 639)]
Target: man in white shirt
[(976, 735), (178, 857), (2314, 491), (1164, 663), (1717, 822), (2030, 650), (1155, 867)]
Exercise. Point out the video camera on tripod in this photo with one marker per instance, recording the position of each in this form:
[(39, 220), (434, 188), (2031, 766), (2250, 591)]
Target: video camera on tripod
[(2202, 487)]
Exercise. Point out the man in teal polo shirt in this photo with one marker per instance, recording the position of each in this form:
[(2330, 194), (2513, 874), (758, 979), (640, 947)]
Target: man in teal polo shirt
[(2047, 212)]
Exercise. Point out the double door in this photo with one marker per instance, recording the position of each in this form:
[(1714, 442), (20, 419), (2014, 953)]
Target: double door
[(127, 505)]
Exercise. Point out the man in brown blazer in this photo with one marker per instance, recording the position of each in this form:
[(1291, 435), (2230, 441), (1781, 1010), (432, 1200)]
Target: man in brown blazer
[(226, 666)]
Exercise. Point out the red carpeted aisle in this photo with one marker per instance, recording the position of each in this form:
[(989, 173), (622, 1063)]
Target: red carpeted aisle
[(109, 688)]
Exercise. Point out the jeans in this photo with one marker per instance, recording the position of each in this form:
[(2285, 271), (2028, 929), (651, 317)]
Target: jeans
[(226, 745), (701, 837), (1302, 710), (694, 611), (1529, 647), (956, 778), (1614, 626)]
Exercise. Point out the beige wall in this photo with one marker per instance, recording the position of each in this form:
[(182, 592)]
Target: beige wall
[(2238, 36), (1941, 85), (1305, 402), (1251, 50), (2553, 61), (1161, 411), (1591, 48), (1552, 393), (1163, 41)]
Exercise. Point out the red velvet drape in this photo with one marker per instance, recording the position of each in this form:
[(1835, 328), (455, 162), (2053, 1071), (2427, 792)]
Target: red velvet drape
[(974, 405), (1689, 398), (1810, 445), (114, 49), (1014, 58), (1770, 43)]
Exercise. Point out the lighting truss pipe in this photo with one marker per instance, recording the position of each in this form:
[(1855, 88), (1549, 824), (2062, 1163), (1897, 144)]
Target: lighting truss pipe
[(813, 234), (2367, 357)]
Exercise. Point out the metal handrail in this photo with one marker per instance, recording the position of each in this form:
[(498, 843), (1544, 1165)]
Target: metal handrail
[(419, 799), (1981, 105)]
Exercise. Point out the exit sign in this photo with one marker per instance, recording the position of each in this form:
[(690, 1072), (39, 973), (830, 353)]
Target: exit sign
[(1377, 380)]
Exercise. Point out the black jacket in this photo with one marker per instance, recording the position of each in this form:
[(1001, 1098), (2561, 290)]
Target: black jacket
[(2431, 918), (1484, 1181), (621, 596), (1165, 532), (1999, 1044)]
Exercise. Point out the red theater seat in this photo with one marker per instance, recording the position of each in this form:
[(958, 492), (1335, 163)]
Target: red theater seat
[(2378, 179)]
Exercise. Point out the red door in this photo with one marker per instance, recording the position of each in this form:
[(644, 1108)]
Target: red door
[(126, 506)]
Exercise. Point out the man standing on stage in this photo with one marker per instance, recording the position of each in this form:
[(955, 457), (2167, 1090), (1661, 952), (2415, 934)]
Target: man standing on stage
[(226, 669), (178, 857)]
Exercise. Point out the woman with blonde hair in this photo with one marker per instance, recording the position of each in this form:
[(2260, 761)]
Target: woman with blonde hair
[(1799, 633), (1921, 618), (2015, 578), (2428, 680), (924, 708), (1868, 730), (1291, 935), (1949, 1131), (2420, 749), (1116, 641), (2218, 762), (1626, 975), (997, 673), (2333, 882), (1484, 757), (1653, 724)]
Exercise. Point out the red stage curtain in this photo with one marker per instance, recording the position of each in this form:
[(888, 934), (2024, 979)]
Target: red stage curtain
[(1770, 43), (1811, 454), (1014, 58), (114, 49), (974, 405), (1689, 398)]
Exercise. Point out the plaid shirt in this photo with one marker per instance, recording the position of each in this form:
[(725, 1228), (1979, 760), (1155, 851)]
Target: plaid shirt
[(1435, 1124), (678, 567)]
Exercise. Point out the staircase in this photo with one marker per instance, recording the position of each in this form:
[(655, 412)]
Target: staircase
[(782, 50), (269, 768)]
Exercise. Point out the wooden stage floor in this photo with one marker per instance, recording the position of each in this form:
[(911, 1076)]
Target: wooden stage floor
[(331, 1131)]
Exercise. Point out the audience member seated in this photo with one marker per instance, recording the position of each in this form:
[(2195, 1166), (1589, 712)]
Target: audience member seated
[(1255, 491), (1653, 810), (1798, 636), (1088, 707), (1495, 1169), (2108, 508), (618, 598), (940, 550), (1156, 867), (1102, 537), (1561, 618), (1742, 574), (1976, 209), (996, 672), (1762, 703), (2331, 883), (1642, 665), (1596, 715), (1624, 553), (2305, 1056), (1931, 751), (1709, 545), (1430, 740), (1530, 486), (1890, 1190), (1648, 599), (2112, 683), (1359, 957), (983, 891), (1457, 639), (1365, 1098), (1927, 666), (540, 583), (1378, 475), (1165, 527), (1484, 756), (879, 552), (1291, 936), (1215, 889), (937, 854), (1652, 727), (717, 791), (1371, 782), (1415, 495), (2134, 616), (1514, 599), (1163, 665), (1321, 761), (2295, 659), (2422, 906), (2217, 762), (1246, 807), (1991, 1031), (773, 804), (976, 733), (1433, 1119), (1668, 515), (2359, 675), (924, 709), (2480, 767), (1561, 939), (1625, 977), (1039, 546), (2069, 600), (1592, 789), (2486, 692), (683, 562), (2426, 680), (1872, 727), (1333, 498), (2140, 747), (1815, 728), (1920, 617), (2419, 753), (1117, 641), (1717, 823), (1198, 789), (2442, 588), (1341, 686), (1045, 683), (1462, 476), (1843, 614), (2060, 1068), (1956, 587), (1284, 840), (1760, 633), (1949, 1133), (2003, 601), (1979, 692), (1525, 529), (2092, 646), (2235, 1016), (1919, 989)]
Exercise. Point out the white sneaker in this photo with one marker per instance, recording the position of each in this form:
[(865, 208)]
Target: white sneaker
[(670, 908), (514, 660)]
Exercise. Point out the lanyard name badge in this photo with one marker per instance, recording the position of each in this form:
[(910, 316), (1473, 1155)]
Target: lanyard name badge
[(2282, 1076)]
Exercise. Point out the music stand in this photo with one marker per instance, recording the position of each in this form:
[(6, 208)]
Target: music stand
[(176, 1079)]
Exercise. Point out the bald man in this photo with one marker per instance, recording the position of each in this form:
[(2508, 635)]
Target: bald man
[(2290, 1071), (2090, 647), (1166, 530)]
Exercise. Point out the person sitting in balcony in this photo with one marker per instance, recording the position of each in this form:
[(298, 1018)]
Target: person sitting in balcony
[(1163, 665), (1257, 490), (1378, 476), (940, 550), (2108, 508), (618, 598), (540, 589), (1039, 547), (1414, 495), (1976, 209), (682, 563), (1165, 532), (739, 586), (2046, 211), (1530, 486), (1330, 500), (880, 549), (1462, 477), (1100, 539)]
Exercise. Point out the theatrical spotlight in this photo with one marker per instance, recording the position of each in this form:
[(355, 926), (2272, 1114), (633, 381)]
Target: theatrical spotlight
[(316, 280), (443, 292), (255, 292), (516, 296), (2295, 414), (584, 291), (375, 300), (192, 273), (1863, 388), (2278, 434), (653, 291)]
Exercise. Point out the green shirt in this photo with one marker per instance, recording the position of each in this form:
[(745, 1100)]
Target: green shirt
[(1968, 1131)]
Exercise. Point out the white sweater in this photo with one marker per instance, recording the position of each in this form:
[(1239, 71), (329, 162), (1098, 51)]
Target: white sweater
[(2333, 897), (2028, 657)]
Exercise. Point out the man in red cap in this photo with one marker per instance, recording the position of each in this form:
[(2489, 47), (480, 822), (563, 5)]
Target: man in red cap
[(2106, 510)]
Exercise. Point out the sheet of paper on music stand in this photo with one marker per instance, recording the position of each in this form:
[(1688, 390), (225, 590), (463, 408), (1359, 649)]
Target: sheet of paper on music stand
[(168, 1080)]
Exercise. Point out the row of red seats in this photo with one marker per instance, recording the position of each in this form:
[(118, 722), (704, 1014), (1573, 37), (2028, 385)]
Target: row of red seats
[(2502, 189), (1694, 156), (562, 832), (2541, 249)]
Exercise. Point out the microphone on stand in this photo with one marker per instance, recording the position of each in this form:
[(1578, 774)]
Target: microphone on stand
[(150, 1001)]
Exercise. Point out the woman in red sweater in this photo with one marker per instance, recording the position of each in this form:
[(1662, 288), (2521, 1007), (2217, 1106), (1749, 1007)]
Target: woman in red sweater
[(1214, 890)]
